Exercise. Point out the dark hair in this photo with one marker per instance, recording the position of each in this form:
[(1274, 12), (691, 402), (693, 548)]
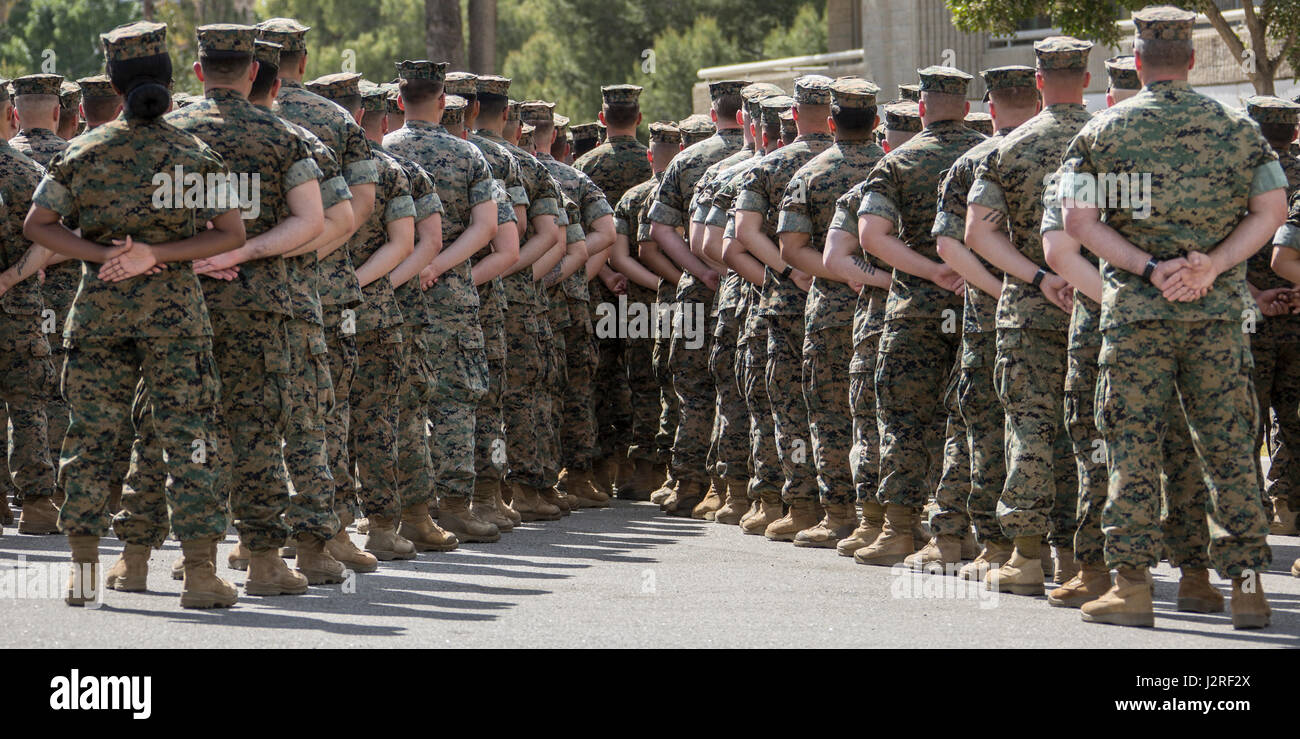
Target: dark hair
[(416, 92), (1164, 53), (144, 82), (728, 105), (291, 59), (225, 67), (1278, 133), (853, 119), (1019, 97), (1063, 76), (557, 146), (491, 105), (771, 130), (350, 103), (100, 109), (267, 74), (582, 146), (621, 115)]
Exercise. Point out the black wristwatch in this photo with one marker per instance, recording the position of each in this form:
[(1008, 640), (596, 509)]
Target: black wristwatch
[(1039, 276), (1149, 269), (789, 270)]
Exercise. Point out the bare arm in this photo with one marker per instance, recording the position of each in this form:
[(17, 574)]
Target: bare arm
[(428, 242), (338, 229), (543, 239), (32, 261), (845, 264), (363, 202), (505, 251), (305, 222), (600, 236), (649, 254), (876, 234), (955, 254), (482, 228), (400, 244), (672, 245), (622, 261), (1063, 254), (797, 251), (43, 227)]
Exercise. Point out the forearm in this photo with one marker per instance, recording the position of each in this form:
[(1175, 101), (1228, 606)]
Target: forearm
[(596, 263), (1085, 225), (736, 254), (845, 263), (1063, 256), (428, 243), (1286, 263), (549, 261), (890, 250), (505, 250), (964, 262), (337, 231), (996, 247), (621, 260), (601, 236), (749, 230), (363, 203), (796, 251), (539, 244), (35, 259), (383, 261), (656, 262), (1250, 235), (672, 245), (285, 237), (465, 246)]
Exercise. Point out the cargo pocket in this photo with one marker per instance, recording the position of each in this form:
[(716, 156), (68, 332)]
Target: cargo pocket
[(275, 388), (42, 377), (1107, 405)]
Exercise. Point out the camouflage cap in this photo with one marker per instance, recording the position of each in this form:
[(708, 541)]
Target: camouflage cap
[(665, 132), (134, 41), (695, 128), (1164, 22), (512, 110), (69, 94), (227, 37), (1014, 75), (1269, 109), (37, 84), (526, 135), (854, 93), (454, 115), (336, 86), (537, 111), (1062, 52), (759, 90), (946, 80), (585, 131), (726, 87), (620, 94), (773, 107), (813, 89), (910, 92), (460, 83), (374, 98), (286, 32), (561, 122), (1123, 74), (422, 69), (982, 122), (492, 84), (903, 116), (789, 131), (394, 98), (99, 86)]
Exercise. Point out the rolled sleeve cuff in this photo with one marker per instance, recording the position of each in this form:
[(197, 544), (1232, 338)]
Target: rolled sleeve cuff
[(987, 194), (52, 195), (303, 170), (482, 191), (1288, 236), (665, 214), (1268, 177), (1052, 219), (399, 207), (544, 207), (572, 233), (845, 221), (946, 224), (716, 217), (365, 172), (750, 200), (334, 191), (792, 222), (595, 210), (518, 196), (875, 204), (427, 206), (621, 227)]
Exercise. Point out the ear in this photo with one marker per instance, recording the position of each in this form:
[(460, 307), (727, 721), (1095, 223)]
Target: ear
[(275, 88), (1192, 62), (830, 121), (713, 115), (966, 110), (1038, 80), (252, 70), (795, 113), (1087, 79), (1110, 100), (383, 127), (740, 118), (921, 108), (993, 109), (601, 117), (885, 145), (638, 119), (302, 65), (198, 71), (650, 155)]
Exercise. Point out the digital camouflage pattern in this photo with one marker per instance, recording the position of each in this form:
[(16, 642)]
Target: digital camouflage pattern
[(616, 165), (40, 145), (637, 352)]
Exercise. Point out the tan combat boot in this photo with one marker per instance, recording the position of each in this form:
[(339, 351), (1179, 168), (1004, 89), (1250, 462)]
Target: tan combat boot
[(665, 490), (1088, 584), (869, 528), (770, 510), (342, 548), (1284, 519), (582, 489), (603, 473), (994, 554), (1196, 594), (425, 535), (314, 563), (503, 505), (937, 556), (802, 514), (1295, 568), (838, 521), (970, 547), (1250, 608), (1066, 566), (895, 541), (736, 505), (202, 588), (83, 578), (706, 508), (269, 575), (1023, 573), (557, 499), (40, 517), (483, 504), (1126, 603), (684, 499), (383, 541), (455, 516), (238, 557), (531, 507), (130, 573)]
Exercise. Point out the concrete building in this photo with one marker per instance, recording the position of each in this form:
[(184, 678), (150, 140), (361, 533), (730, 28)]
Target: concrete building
[(886, 41)]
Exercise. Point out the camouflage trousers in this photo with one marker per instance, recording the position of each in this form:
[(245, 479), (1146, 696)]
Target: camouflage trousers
[(373, 420), (689, 363), (550, 405), (668, 406), (306, 452), (1040, 495), (1207, 364), (610, 384), (729, 444), (342, 356), (520, 394), (489, 426), (981, 412), (577, 405), (638, 361), (414, 391), (143, 518), (765, 473), (60, 287), (784, 378), (6, 475), (826, 356), (100, 382), (913, 365), (1277, 387), (460, 379), (1183, 524), (952, 493), (864, 456), (27, 383)]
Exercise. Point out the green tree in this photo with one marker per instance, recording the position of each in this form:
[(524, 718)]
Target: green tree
[(678, 56), (367, 37), (62, 35), (806, 35), (1270, 20)]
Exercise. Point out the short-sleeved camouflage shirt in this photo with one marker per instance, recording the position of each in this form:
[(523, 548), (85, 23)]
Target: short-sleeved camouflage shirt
[(19, 176), (904, 189), (869, 312), (808, 206), (979, 310), (393, 202), (1204, 162), (40, 145), (678, 184), (410, 298), (542, 194), (616, 165)]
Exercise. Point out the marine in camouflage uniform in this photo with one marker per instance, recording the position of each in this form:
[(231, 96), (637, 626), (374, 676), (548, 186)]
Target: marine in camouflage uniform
[(689, 365), (1040, 495), (916, 354), (1288, 237), (1154, 348), (807, 208)]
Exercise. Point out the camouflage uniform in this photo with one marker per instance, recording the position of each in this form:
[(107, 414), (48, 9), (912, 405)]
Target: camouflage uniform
[(151, 327), (1041, 489), (1153, 349), (27, 374), (459, 366), (807, 207), (1287, 237)]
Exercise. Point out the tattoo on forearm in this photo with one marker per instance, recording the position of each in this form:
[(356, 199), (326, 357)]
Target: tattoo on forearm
[(993, 216), (863, 264), (552, 277), (22, 262)]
